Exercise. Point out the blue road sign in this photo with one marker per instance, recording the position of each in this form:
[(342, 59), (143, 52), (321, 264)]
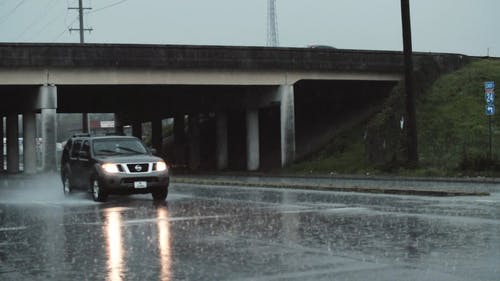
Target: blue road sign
[(489, 97), (490, 85), (490, 109)]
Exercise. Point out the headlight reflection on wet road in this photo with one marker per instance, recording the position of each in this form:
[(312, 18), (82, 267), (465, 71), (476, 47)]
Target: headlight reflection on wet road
[(164, 244), (114, 244), (114, 223)]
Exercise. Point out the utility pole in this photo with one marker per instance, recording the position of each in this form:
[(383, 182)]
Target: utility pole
[(411, 122), (80, 8)]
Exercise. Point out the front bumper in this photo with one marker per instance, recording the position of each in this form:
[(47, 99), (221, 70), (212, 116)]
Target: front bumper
[(121, 183)]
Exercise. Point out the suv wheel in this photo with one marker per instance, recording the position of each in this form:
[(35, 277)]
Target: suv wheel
[(98, 193), (67, 188), (160, 194)]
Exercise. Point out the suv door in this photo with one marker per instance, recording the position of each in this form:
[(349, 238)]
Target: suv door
[(73, 163), (85, 163)]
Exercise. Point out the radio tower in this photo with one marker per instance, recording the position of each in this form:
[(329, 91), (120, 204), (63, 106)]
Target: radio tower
[(272, 24)]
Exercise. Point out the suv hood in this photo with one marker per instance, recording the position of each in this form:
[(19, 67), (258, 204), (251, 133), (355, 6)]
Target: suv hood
[(142, 158)]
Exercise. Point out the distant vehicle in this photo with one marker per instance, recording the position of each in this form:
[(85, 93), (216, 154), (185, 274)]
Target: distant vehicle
[(321, 47), (107, 165)]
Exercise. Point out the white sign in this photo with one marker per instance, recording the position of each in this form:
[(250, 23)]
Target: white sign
[(107, 124)]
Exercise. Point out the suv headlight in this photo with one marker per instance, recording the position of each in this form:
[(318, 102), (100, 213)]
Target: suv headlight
[(161, 166), (110, 168)]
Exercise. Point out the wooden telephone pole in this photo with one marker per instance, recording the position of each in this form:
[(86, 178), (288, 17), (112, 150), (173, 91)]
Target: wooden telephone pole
[(80, 8), (411, 119)]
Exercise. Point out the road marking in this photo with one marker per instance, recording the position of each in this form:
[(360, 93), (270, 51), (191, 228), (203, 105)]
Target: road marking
[(14, 228)]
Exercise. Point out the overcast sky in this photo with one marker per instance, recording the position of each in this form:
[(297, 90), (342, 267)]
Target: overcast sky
[(456, 26)]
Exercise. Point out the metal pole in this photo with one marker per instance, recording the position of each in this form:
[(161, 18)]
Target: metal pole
[(85, 116), (80, 10), (411, 124), (489, 125)]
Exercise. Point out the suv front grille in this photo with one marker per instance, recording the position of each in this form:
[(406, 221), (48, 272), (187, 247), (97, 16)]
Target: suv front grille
[(138, 168)]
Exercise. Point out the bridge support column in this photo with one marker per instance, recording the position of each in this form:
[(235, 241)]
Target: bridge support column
[(12, 143), (29, 142), (221, 141), (47, 100), (1, 145), (179, 140), (137, 129), (194, 142), (253, 151), (287, 124), (156, 135)]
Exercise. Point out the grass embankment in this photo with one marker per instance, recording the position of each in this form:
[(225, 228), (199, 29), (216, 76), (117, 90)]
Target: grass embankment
[(452, 126)]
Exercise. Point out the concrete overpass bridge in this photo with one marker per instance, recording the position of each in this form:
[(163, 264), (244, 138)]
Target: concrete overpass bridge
[(255, 96)]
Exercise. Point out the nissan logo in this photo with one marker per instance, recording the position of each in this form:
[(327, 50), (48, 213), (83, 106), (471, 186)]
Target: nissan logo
[(138, 168)]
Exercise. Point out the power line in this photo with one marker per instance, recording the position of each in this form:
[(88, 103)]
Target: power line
[(50, 22), (6, 17), (66, 29), (105, 7), (51, 6)]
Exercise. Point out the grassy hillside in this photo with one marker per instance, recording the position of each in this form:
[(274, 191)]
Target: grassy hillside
[(452, 126)]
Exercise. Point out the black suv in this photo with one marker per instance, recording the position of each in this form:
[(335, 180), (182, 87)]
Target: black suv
[(112, 165)]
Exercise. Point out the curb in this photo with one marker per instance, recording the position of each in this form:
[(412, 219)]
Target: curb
[(478, 179), (359, 189)]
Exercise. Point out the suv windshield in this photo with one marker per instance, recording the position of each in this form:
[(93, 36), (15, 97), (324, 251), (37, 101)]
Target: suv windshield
[(118, 146)]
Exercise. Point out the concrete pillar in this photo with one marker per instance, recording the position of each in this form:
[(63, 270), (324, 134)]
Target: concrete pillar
[(12, 143), (47, 97), (253, 151), (137, 129), (85, 123), (29, 142), (156, 135), (287, 124), (1, 145), (119, 125), (221, 141), (194, 142), (179, 140)]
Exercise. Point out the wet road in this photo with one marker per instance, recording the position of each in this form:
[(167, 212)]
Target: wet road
[(238, 233)]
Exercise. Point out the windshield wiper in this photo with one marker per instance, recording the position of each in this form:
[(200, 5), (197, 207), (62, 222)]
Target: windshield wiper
[(107, 151), (129, 149)]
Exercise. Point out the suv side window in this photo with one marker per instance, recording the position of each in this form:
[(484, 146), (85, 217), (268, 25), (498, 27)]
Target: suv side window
[(65, 153), (76, 148), (86, 148)]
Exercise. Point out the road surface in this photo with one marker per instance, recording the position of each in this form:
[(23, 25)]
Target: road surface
[(207, 232)]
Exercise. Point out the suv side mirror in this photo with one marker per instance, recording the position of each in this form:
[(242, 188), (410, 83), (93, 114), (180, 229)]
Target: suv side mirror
[(154, 151)]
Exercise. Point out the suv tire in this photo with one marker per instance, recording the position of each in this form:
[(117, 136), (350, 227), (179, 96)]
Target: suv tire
[(160, 194), (98, 192)]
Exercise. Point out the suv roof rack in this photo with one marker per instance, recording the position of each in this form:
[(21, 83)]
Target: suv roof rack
[(81, 135), (115, 134)]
